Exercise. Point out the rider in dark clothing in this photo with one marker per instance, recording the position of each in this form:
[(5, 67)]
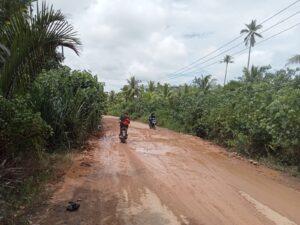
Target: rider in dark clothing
[(124, 121), (152, 118)]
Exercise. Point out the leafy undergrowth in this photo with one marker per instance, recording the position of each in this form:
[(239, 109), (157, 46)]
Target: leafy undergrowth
[(258, 116), (274, 164), (23, 185)]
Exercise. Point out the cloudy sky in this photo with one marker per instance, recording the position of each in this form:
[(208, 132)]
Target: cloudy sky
[(152, 39)]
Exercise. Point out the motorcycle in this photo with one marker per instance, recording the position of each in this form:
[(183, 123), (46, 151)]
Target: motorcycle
[(123, 136), (152, 124)]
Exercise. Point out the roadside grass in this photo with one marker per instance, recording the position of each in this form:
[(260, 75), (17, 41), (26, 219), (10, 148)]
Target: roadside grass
[(274, 164), (23, 188)]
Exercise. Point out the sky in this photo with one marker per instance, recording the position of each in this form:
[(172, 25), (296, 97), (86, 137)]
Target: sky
[(152, 39)]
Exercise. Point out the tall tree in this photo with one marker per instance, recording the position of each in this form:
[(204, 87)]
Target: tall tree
[(125, 92), (133, 89), (227, 59), (151, 86), (256, 73), (204, 83), (252, 33), (112, 97), (32, 42), (166, 90)]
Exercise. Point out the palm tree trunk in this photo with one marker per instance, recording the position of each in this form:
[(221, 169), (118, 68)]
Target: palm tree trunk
[(225, 74), (249, 57), (62, 52)]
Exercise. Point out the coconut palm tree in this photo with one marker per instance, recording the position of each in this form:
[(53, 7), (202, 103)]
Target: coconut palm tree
[(124, 90), (294, 60), (227, 59), (166, 91), (251, 32), (151, 86), (32, 42), (256, 73), (112, 97), (204, 83), (133, 89)]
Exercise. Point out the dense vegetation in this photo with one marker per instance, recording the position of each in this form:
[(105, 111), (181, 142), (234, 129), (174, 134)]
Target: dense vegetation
[(71, 102), (60, 110), (258, 115), (45, 107)]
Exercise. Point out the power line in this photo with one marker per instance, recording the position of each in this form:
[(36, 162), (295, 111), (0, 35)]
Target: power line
[(262, 41), (235, 46), (276, 14), (197, 60), (228, 43), (297, 24), (241, 51), (280, 22)]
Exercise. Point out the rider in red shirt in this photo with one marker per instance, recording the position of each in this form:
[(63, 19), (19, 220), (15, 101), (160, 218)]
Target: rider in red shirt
[(124, 121)]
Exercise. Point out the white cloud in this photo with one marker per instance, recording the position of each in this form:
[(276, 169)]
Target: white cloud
[(151, 39), (162, 48)]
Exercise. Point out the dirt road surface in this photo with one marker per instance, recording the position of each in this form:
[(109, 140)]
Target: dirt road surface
[(164, 178)]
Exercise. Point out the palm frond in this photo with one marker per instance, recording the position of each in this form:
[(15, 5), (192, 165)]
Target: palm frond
[(32, 42), (244, 31), (259, 27), (246, 39), (227, 59), (4, 53), (258, 35), (251, 33)]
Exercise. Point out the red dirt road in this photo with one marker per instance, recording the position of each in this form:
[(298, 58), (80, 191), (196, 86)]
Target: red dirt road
[(164, 178)]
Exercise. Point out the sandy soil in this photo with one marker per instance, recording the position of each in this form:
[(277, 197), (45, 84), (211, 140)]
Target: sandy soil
[(164, 178)]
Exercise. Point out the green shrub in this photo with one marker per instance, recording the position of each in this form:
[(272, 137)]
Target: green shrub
[(260, 119), (22, 132), (71, 102)]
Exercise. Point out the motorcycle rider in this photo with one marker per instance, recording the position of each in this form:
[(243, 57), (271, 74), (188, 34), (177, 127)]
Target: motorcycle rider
[(152, 118), (124, 121)]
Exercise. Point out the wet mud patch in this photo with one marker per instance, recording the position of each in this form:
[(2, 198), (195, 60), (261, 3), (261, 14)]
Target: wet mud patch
[(148, 210)]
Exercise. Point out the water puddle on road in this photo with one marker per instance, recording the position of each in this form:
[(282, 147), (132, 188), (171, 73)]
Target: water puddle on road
[(154, 148), (147, 211)]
